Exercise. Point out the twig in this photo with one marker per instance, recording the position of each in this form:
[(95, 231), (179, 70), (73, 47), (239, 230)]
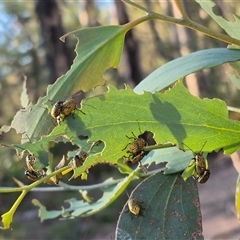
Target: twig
[(136, 5), (185, 21)]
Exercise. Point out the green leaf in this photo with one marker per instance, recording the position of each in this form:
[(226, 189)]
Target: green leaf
[(231, 28), (43, 213), (97, 50), (171, 210), (176, 159), (183, 66), (84, 209), (110, 193), (175, 116)]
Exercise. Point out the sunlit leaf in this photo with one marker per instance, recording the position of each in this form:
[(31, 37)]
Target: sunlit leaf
[(175, 116)]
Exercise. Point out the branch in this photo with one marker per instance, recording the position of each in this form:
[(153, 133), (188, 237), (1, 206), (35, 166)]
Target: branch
[(185, 21)]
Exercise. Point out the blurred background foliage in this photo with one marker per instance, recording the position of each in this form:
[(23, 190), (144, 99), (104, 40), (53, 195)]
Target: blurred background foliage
[(30, 46)]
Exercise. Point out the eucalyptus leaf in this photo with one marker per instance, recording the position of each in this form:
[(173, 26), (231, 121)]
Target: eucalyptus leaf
[(176, 159), (174, 116), (97, 50), (183, 66), (82, 208), (231, 28), (170, 210)]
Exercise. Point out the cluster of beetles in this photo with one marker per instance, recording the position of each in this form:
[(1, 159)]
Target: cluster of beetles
[(134, 149)]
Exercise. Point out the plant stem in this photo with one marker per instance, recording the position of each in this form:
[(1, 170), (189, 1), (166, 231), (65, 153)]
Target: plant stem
[(34, 184), (185, 21), (197, 27), (136, 5), (132, 24), (7, 217), (65, 187)]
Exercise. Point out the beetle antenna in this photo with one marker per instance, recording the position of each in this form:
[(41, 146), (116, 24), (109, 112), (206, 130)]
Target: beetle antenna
[(139, 127), (127, 194), (192, 150), (188, 147), (203, 146)]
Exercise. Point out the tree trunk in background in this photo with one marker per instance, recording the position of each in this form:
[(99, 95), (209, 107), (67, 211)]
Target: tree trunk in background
[(162, 48), (187, 40), (131, 49), (89, 14), (58, 56)]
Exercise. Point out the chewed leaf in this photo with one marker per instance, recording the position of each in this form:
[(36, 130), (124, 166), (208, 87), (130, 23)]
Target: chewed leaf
[(77, 208), (176, 159), (110, 193), (43, 213), (97, 50), (174, 116), (232, 28)]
